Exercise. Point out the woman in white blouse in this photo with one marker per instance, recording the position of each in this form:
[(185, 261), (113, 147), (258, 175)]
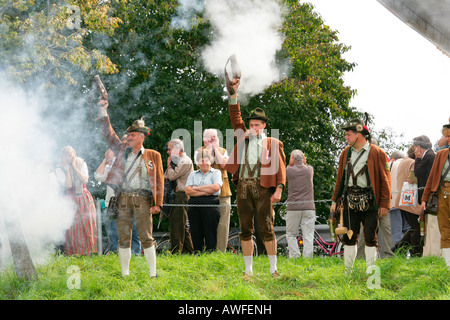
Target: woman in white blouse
[(72, 174), (203, 188)]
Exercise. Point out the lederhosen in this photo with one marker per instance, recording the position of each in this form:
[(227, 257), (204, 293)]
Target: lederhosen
[(253, 200), (135, 203), (359, 205)]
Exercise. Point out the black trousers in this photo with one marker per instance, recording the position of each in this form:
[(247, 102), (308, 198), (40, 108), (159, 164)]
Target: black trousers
[(411, 239), (203, 222), (370, 222)]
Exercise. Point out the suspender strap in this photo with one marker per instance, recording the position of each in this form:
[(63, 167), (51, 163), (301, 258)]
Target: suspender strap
[(256, 167), (351, 169), (138, 156)]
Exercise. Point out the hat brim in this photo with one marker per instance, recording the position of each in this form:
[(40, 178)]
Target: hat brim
[(143, 130), (265, 119), (353, 128)]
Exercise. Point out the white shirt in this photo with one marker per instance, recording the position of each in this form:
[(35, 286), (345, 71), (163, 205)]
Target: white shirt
[(361, 181), (135, 183), (255, 146)]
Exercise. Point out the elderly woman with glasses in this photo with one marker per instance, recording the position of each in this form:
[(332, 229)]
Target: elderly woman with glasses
[(203, 188)]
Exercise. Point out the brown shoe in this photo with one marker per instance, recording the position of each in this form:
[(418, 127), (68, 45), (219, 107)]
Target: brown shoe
[(247, 276), (275, 274)]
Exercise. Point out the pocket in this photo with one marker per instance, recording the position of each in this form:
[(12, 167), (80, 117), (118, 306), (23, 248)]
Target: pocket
[(137, 202), (122, 202)]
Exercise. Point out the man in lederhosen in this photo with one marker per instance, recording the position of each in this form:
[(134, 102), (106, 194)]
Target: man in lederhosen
[(260, 163), (364, 184), (137, 174)]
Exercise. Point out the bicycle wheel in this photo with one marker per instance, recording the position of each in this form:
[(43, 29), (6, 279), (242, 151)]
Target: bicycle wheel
[(163, 246), (234, 245), (282, 245), (339, 249), (282, 249)]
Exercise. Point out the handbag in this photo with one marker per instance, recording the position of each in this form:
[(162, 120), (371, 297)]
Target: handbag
[(409, 195), (432, 204), (113, 208)]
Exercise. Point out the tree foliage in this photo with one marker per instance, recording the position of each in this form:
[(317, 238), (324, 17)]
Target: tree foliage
[(151, 69), (45, 40)]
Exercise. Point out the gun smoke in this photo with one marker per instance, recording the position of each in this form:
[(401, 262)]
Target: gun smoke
[(250, 29), (28, 190)]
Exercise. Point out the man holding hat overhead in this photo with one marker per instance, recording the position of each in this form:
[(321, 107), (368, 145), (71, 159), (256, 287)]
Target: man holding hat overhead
[(260, 164), (364, 186), (137, 177)]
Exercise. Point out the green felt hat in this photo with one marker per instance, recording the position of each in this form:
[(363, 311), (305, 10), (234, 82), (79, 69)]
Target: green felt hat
[(258, 114)]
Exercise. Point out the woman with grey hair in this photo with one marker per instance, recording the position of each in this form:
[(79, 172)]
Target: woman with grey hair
[(301, 210), (203, 188)]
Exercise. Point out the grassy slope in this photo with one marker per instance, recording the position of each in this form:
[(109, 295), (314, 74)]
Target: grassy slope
[(219, 277)]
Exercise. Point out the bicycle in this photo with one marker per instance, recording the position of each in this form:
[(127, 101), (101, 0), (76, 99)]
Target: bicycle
[(320, 246), (163, 245), (234, 244)]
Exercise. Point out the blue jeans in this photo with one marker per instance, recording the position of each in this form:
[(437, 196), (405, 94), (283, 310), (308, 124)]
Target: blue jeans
[(113, 237), (399, 225)]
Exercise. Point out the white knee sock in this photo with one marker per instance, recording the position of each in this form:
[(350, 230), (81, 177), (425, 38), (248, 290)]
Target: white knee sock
[(349, 257), (273, 263), (446, 254), (150, 257), (248, 260), (125, 257), (371, 255)]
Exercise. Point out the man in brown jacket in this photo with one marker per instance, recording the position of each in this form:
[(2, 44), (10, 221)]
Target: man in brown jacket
[(260, 164), (364, 184), (137, 175), (439, 172)]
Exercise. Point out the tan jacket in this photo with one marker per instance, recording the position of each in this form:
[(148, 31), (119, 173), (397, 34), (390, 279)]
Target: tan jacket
[(405, 172), (273, 159), (152, 159), (435, 174), (379, 175), (180, 173)]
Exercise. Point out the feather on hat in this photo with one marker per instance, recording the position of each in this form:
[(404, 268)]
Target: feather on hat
[(139, 126)]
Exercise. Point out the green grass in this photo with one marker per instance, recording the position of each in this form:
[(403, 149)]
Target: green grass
[(219, 276)]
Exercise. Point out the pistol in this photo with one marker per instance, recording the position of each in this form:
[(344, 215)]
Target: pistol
[(235, 72), (98, 91), (100, 88)]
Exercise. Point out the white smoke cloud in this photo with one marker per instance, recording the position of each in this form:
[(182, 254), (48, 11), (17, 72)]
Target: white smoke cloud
[(248, 28), (27, 190), (185, 17)]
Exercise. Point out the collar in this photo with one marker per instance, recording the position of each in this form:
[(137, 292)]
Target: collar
[(210, 170), (425, 153), (259, 138), (366, 147), (129, 151)]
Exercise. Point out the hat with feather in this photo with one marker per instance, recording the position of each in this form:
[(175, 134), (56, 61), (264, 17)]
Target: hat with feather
[(139, 126)]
